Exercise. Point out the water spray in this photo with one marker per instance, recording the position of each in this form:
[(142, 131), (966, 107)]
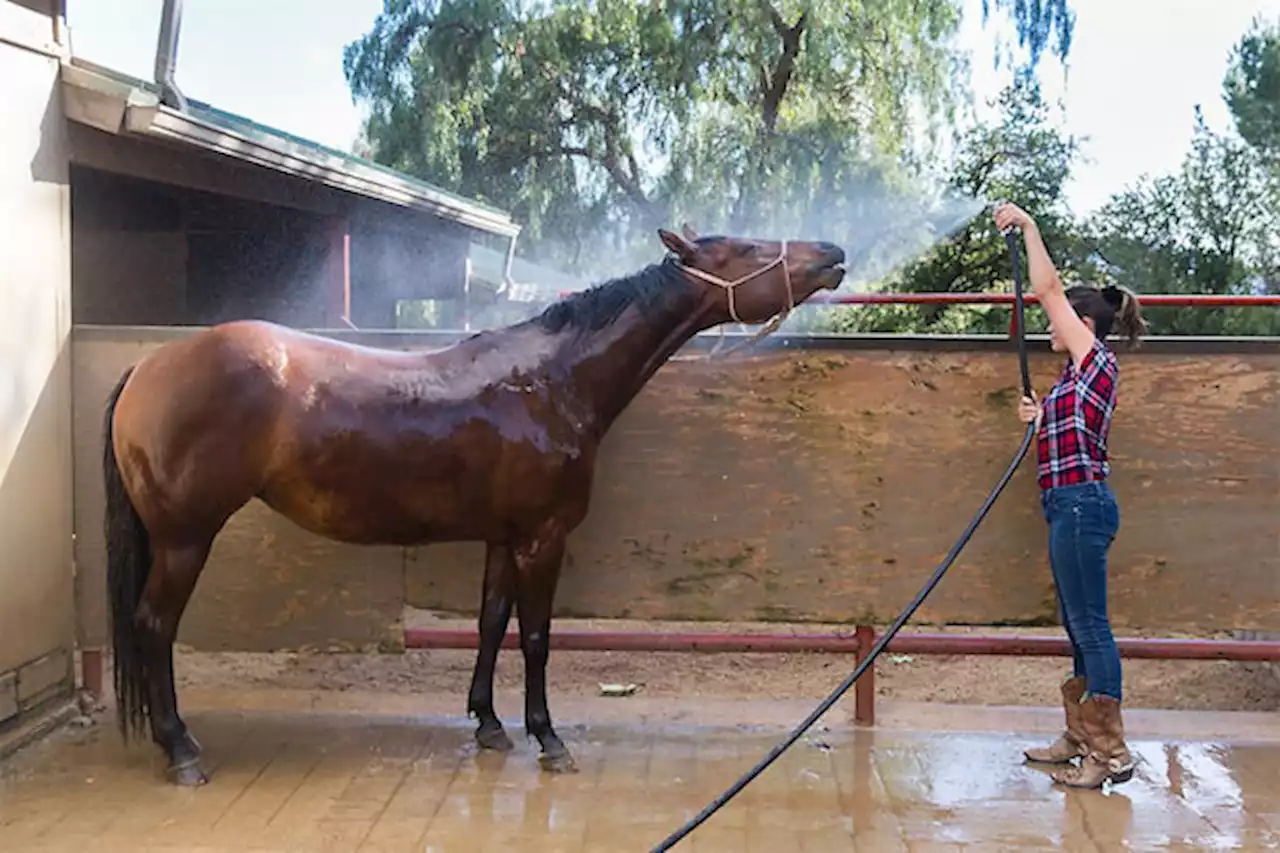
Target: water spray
[(1011, 241), (880, 254)]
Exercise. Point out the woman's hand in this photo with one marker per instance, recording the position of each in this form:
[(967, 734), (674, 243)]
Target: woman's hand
[(1029, 410), (1046, 284), (1011, 216)]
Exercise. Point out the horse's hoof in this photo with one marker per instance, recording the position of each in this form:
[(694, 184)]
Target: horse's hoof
[(495, 739), (188, 775), (559, 762)]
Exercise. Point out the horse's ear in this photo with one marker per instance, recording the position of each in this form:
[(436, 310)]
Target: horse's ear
[(688, 232), (677, 245)]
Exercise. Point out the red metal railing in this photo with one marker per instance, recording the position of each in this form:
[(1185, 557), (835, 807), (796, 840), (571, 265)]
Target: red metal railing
[(1179, 300), (1149, 300), (859, 644), (1170, 300)]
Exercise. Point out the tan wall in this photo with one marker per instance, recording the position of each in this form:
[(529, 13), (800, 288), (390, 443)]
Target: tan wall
[(802, 485), (36, 604)]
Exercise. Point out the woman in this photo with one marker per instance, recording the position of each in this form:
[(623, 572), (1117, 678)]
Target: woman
[(1078, 504)]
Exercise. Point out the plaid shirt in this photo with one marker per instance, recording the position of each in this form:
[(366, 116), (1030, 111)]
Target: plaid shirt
[(1072, 443)]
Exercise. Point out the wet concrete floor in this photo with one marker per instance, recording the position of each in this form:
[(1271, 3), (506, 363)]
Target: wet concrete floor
[(346, 782)]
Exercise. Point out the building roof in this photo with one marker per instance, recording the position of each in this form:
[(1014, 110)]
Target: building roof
[(119, 104)]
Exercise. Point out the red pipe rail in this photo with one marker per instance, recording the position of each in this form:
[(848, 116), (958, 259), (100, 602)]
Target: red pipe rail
[(859, 644), (1175, 300), (1149, 300), (1169, 300)]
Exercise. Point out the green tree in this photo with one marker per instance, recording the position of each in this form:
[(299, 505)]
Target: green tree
[(1023, 156), (1212, 226), (1208, 228), (1040, 25), (595, 120), (1252, 88)]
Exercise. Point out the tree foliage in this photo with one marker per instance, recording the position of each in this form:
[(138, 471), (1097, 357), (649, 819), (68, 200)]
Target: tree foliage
[(1040, 25), (1022, 155), (1252, 88), (597, 120), (1211, 226)]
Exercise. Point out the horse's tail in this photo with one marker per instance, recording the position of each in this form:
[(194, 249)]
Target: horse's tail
[(128, 565)]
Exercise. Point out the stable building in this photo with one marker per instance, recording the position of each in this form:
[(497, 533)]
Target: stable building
[(196, 216), (130, 214)]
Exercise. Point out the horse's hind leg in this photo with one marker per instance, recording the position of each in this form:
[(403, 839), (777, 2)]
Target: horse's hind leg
[(495, 613), (165, 597)]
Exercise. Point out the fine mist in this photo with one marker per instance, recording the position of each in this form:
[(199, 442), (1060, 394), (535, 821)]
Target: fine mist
[(881, 225)]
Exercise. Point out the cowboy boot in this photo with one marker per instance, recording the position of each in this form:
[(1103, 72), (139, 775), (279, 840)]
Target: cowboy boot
[(1108, 759), (1070, 744)]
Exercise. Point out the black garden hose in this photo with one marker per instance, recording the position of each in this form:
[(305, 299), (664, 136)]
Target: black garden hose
[(674, 838)]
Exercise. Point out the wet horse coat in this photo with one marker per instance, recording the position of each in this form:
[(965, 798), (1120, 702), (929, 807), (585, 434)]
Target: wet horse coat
[(494, 439)]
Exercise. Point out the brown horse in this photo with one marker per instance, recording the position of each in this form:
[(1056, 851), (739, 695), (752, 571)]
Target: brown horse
[(493, 439)]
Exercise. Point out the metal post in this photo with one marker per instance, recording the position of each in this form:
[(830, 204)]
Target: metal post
[(338, 272), (864, 692), (466, 294), (91, 672)]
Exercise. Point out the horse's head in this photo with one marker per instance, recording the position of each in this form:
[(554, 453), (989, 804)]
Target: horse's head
[(753, 280)]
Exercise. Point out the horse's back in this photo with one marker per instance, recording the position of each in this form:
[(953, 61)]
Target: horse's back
[(353, 443)]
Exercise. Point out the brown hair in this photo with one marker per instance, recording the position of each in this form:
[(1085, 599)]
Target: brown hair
[(1109, 307)]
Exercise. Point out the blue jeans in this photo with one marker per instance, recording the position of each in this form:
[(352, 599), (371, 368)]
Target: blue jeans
[(1083, 521)]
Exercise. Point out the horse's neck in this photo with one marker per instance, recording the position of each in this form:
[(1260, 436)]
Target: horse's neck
[(609, 366)]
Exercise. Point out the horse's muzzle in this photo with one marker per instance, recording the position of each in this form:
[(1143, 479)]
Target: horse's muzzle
[(830, 270)]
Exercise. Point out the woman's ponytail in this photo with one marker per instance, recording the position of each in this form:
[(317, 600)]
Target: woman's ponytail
[(1129, 322)]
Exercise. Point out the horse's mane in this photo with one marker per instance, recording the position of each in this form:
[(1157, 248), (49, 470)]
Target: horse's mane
[(595, 308)]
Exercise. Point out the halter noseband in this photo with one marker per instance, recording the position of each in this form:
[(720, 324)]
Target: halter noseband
[(730, 286)]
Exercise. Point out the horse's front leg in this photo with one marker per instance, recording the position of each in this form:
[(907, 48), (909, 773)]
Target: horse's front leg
[(538, 562), (495, 612)]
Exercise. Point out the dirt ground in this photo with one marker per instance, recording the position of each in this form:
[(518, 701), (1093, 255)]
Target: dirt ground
[(1171, 685)]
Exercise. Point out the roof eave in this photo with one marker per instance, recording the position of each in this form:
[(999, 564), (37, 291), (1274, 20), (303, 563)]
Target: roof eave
[(116, 107), (161, 122)]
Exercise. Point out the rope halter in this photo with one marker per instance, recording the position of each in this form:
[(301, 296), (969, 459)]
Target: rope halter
[(730, 286)]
